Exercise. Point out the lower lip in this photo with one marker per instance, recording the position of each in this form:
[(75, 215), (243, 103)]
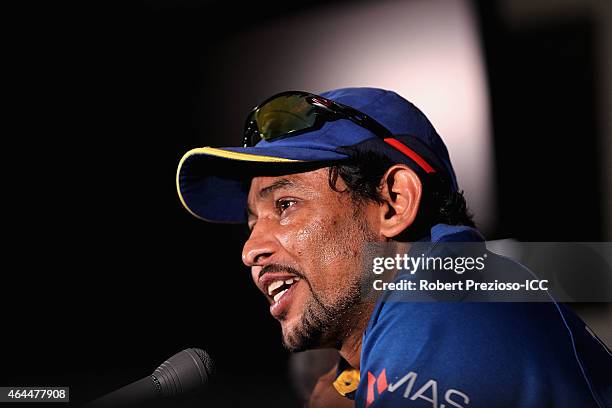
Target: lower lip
[(280, 307)]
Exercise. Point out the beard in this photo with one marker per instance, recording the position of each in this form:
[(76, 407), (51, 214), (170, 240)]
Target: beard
[(321, 325), (326, 323)]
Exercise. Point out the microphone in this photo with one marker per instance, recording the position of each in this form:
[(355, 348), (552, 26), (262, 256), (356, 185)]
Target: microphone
[(185, 372)]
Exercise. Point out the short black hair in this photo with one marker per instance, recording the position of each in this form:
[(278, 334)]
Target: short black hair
[(363, 173)]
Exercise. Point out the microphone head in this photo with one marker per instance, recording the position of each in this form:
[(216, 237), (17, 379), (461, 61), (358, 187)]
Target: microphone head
[(185, 372)]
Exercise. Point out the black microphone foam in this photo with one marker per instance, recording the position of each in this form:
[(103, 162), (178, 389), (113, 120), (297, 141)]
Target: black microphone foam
[(185, 372)]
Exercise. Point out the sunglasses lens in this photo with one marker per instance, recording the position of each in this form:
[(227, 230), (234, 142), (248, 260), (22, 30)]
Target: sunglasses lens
[(284, 115)]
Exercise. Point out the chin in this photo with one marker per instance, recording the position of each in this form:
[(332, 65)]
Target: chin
[(289, 327), (293, 335), (302, 333), (294, 347)]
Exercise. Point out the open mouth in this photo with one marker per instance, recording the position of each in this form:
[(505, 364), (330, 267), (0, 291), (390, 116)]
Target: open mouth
[(278, 288)]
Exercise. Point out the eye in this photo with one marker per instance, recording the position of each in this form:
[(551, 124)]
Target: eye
[(284, 203)]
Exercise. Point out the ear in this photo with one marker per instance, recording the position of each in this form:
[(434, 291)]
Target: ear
[(401, 190)]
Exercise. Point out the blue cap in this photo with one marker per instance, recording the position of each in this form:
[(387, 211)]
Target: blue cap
[(213, 183)]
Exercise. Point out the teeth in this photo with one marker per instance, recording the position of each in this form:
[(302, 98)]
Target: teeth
[(279, 295), (274, 285), (289, 281)]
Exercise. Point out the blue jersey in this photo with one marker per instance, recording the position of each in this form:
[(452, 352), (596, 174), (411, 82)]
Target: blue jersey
[(476, 354)]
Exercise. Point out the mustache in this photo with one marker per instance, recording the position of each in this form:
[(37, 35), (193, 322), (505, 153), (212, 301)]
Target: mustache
[(280, 268)]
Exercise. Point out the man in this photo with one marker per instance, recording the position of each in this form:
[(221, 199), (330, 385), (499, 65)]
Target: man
[(320, 177)]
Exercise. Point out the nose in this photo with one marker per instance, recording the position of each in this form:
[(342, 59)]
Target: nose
[(260, 246)]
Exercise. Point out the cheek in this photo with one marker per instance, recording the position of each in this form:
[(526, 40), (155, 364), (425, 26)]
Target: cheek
[(320, 239), (327, 249), (338, 242), (302, 242)]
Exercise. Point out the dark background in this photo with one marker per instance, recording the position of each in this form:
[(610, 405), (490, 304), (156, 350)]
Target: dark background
[(106, 275)]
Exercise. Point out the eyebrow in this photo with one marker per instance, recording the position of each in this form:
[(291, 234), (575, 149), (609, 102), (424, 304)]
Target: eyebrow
[(266, 191)]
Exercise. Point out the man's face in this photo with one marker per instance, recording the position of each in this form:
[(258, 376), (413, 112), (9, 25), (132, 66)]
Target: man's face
[(305, 252)]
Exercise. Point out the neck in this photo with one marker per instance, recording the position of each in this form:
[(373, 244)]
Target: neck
[(350, 346)]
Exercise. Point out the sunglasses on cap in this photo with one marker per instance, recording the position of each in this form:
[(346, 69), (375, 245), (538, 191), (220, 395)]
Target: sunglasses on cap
[(292, 113)]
